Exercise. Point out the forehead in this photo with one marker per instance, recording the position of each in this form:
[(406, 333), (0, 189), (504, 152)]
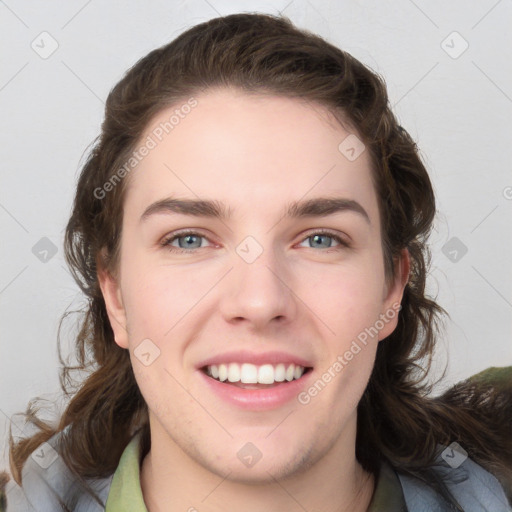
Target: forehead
[(242, 149)]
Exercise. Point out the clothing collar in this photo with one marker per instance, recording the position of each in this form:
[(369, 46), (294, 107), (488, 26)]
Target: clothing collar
[(125, 493)]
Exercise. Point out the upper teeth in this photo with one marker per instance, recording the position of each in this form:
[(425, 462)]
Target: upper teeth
[(251, 374)]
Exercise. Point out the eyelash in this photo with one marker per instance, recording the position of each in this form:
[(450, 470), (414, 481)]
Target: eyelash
[(166, 242)]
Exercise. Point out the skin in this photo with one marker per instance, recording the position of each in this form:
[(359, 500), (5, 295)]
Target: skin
[(254, 154)]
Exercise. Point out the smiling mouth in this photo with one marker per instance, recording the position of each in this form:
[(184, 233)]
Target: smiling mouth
[(249, 376)]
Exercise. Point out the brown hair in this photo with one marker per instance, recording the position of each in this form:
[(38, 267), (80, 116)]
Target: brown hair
[(256, 53)]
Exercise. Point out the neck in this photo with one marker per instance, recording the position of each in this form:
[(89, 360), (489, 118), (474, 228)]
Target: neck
[(336, 482)]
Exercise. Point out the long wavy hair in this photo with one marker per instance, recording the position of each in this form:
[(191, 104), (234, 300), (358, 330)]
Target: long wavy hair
[(398, 418)]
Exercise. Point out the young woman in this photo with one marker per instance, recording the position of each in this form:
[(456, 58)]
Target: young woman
[(250, 232)]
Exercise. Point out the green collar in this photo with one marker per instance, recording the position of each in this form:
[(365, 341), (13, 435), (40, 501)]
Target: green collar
[(125, 493)]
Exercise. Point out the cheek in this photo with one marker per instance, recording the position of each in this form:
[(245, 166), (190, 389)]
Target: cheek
[(151, 380), (156, 297), (346, 298)]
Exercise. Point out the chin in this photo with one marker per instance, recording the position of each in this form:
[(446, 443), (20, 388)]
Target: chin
[(253, 466)]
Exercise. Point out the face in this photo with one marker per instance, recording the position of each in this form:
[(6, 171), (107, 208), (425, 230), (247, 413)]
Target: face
[(262, 274)]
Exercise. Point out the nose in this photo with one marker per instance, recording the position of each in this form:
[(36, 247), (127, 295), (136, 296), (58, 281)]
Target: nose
[(259, 293)]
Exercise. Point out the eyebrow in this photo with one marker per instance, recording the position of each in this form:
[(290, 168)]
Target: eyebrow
[(317, 207)]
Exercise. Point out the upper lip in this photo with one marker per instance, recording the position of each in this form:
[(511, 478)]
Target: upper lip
[(256, 358)]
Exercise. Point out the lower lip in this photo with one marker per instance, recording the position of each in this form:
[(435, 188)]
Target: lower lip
[(257, 399)]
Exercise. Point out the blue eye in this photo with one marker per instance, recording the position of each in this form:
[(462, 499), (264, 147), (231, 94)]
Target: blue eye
[(321, 236), (187, 242), (190, 241)]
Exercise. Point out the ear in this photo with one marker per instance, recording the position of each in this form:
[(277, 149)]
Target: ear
[(394, 293), (111, 292)]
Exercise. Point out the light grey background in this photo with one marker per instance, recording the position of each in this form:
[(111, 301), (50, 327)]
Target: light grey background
[(457, 105)]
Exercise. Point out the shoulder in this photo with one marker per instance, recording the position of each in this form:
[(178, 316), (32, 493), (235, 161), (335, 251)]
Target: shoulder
[(48, 484), (471, 486)]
